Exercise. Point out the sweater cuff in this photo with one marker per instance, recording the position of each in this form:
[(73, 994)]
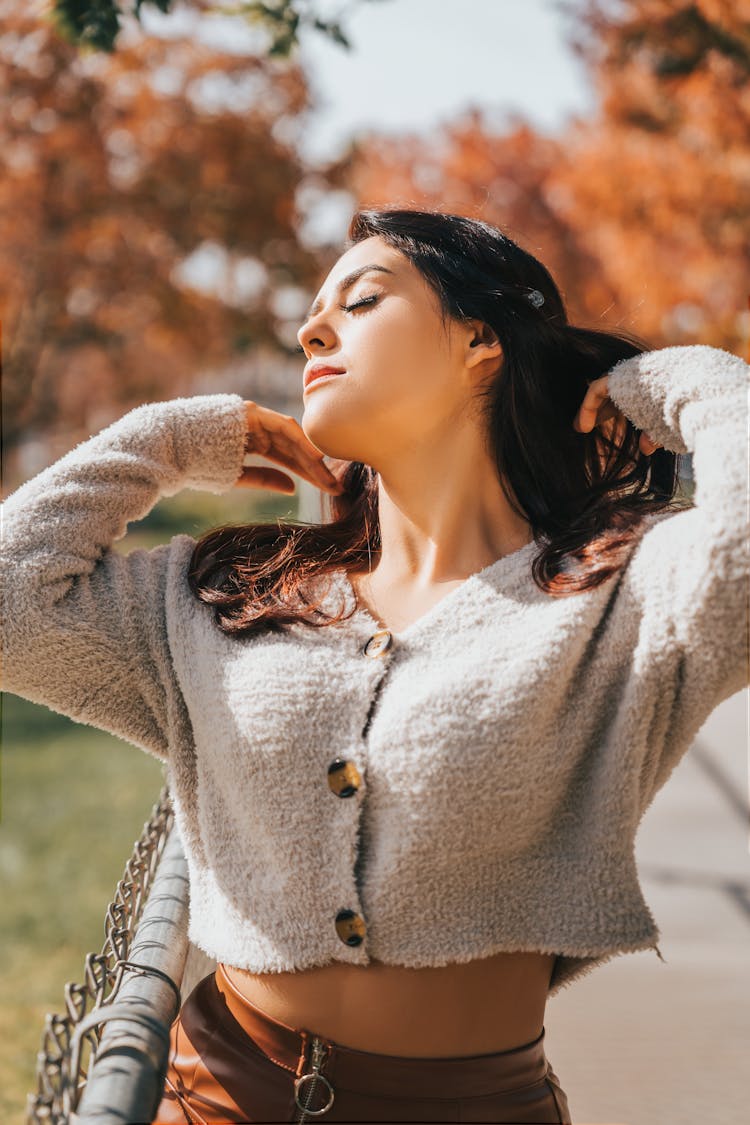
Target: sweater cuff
[(652, 390), (207, 434)]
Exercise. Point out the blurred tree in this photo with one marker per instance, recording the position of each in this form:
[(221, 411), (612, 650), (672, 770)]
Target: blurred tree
[(641, 213), (97, 23), (502, 179), (664, 169), (127, 180)]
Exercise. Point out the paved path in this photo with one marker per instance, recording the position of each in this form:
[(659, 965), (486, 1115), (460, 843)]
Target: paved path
[(639, 1042)]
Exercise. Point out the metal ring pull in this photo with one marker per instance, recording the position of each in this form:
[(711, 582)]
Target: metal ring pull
[(315, 1076)]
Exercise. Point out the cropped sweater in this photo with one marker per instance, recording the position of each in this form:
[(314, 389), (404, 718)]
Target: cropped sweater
[(469, 785)]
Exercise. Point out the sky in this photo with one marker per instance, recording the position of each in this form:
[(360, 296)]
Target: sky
[(416, 63)]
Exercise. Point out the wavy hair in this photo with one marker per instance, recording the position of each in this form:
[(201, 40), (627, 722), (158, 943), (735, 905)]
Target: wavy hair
[(584, 495)]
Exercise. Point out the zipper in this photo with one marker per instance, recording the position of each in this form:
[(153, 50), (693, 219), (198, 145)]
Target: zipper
[(314, 1077)]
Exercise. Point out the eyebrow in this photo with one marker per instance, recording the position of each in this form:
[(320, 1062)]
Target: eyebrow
[(345, 283)]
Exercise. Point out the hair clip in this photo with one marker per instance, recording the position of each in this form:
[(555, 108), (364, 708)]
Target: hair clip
[(535, 297)]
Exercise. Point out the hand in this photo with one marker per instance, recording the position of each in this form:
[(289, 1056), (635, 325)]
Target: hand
[(280, 438), (598, 409)]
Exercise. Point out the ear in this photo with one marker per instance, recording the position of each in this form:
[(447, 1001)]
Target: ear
[(482, 343)]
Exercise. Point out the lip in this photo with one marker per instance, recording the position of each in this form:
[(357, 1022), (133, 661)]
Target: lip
[(320, 371)]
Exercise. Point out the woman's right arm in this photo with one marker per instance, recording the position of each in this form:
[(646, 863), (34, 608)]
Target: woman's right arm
[(83, 626)]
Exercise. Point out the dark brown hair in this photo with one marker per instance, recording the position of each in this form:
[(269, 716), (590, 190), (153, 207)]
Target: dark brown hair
[(584, 495)]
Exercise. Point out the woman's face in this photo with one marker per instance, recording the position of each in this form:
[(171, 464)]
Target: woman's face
[(405, 379)]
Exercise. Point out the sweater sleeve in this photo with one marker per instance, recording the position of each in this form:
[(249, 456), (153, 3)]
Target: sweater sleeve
[(689, 577), (83, 626)]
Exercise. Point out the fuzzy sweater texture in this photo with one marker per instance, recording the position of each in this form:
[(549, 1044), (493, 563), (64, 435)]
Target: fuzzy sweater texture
[(515, 739)]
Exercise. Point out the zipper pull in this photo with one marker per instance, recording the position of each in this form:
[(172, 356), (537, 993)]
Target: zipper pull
[(318, 1054), (314, 1076)]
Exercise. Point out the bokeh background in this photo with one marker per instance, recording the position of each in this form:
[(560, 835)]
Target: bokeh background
[(168, 208)]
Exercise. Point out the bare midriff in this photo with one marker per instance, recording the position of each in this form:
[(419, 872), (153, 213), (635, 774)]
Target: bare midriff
[(471, 1008)]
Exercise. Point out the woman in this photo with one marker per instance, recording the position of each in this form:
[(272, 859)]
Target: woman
[(409, 747)]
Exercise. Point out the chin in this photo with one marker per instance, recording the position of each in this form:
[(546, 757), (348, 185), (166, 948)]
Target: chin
[(328, 436)]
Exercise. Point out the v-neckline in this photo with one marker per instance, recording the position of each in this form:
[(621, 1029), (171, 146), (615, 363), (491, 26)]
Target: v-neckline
[(510, 563)]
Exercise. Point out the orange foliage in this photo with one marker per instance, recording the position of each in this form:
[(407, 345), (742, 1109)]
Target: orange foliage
[(642, 214), (115, 169)]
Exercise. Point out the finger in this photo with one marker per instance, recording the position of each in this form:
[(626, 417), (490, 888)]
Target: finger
[(647, 445), (299, 442), (262, 476), (310, 466), (591, 414), (279, 437), (258, 476), (284, 451), (308, 471), (593, 401)]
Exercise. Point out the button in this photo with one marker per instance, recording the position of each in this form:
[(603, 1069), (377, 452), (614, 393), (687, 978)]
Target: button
[(350, 927), (343, 777), (378, 643)]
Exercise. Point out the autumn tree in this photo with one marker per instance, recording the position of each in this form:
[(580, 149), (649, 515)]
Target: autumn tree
[(664, 168), (503, 179), (642, 212), (117, 171), (97, 23)]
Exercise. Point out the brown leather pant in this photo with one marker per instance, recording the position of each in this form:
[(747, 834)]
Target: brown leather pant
[(230, 1062)]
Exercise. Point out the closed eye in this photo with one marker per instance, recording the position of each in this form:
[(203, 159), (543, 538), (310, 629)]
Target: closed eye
[(364, 301), (348, 308)]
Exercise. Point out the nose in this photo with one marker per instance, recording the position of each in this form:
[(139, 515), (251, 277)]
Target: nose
[(315, 332)]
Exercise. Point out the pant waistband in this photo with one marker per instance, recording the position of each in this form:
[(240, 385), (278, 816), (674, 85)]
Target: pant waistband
[(382, 1074)]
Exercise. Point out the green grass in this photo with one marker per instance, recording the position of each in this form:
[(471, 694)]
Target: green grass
[(74, 801), (193, 512)]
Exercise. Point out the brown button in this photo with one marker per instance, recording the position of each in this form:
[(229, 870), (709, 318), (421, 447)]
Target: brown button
[(350, 927), (343, 777), (378, 643)]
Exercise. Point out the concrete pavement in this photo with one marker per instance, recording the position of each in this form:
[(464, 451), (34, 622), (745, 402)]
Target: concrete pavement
[(639, 1042)]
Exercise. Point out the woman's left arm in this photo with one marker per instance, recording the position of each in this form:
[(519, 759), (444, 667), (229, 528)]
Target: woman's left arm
[(689, 576)]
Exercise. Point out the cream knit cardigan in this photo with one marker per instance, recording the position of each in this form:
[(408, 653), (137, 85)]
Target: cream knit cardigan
[(515, 740)]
